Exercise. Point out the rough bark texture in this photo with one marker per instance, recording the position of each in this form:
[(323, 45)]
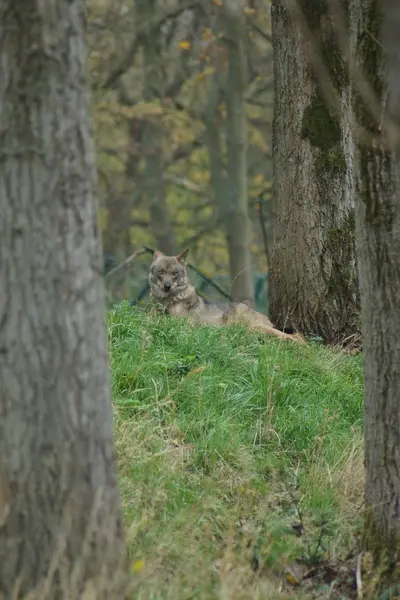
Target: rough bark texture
[(59, 501), (313, 277), (235, 209), (378, 235), (152, 135)]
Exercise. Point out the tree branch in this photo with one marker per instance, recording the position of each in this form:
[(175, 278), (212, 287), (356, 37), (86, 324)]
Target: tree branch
[(260, 31), (183, 152), (127, 61), (204, 231), (185, 183), (124, 65)]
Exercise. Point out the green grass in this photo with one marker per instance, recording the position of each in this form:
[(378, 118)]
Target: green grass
[(224, 442)]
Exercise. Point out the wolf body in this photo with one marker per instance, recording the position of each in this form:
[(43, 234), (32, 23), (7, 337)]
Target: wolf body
[(171, 289)]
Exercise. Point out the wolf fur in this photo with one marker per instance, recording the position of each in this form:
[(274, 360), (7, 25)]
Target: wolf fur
[(171, 289)]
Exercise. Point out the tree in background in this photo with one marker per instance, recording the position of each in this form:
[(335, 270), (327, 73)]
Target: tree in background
[(228, 86), (152, 133), (313, 280), (377, 108), (235, 203), (60, 522)]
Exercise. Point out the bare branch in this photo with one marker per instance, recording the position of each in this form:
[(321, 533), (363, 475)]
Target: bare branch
[(183, 152), (268, 87), (259, 103), (127, 61), (264, 34), (124, 65), (127, 261), (185, 183), (208, 228)]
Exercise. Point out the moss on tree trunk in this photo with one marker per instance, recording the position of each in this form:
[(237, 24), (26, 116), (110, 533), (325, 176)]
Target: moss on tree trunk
[(378, 233), (313, 281)]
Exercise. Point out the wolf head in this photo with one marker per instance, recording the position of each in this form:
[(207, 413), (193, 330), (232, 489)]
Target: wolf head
[(168, 276)]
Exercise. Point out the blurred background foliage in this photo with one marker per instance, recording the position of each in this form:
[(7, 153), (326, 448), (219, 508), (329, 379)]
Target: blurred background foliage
[(154, 67)]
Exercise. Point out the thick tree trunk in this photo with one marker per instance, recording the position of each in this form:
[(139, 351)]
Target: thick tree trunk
[(152, 135), (236, 212), (60, 524), (378, 234), (313, 279)]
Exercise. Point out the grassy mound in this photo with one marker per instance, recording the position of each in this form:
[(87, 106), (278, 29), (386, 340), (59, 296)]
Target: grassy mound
[(238, 457)]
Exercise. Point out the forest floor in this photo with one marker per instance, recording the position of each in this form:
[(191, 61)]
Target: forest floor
[(240, 461)]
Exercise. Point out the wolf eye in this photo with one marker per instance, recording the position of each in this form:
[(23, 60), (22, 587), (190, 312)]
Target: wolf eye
[(175, 273), (161, 272)]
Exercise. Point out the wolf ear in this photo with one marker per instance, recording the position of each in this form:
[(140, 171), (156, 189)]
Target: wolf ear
[(183, 256), (157, 254)]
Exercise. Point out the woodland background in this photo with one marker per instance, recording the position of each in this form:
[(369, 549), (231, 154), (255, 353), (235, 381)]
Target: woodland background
[(164, 89)]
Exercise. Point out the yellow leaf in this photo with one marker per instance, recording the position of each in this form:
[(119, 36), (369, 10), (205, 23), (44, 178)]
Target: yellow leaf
[(218, 2), (185, 45), (207, 34), (295, 574), (292, 580), (138, 565), (249, 11)]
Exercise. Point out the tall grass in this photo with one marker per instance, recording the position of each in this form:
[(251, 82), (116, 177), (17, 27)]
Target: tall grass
[(228, 444)]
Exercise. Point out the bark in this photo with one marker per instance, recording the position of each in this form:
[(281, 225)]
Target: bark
[(313, 280), (152, 135), (378, 235), (235, 210), (60, 523)]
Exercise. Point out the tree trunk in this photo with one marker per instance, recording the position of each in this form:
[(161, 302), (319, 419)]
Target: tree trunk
[(236, 212), (152, 135), (117, 237), (378, 234), (313, 279), (60, 523)]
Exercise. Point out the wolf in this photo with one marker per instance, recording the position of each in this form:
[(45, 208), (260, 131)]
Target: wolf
[(172, 291)]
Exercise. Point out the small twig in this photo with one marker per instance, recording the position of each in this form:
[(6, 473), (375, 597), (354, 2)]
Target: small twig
[(136, 43), (210, 281), (260, 31), (358, 576), (127, 261)]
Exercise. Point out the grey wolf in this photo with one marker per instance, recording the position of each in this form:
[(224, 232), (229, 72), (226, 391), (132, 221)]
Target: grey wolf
[(172, 291)]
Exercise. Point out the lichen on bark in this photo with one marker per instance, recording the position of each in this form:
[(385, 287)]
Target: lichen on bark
[(374, 55), (340, 242), (320, 124)]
